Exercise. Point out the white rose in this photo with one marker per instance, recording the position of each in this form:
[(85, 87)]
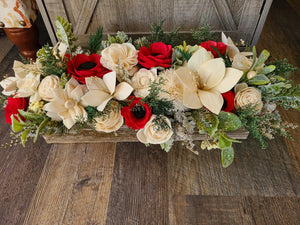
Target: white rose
[(141, 81), (109, 123), (125, 54), (248, 95), (47, 87), (150, 134), (9, 85), (27, 87)]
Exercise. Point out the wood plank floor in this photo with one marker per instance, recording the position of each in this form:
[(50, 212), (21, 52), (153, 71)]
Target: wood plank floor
[(127, 183)]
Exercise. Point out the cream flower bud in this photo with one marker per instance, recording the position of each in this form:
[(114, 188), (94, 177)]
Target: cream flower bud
[(47, 86), (248, 95), (124, 54), (109, 123), (241, 62), (141, 81), (150, 135)]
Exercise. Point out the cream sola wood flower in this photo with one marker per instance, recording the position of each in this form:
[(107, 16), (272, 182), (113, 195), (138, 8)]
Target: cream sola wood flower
[(25, 81), (204, 80), (100, 91), (66, 104)]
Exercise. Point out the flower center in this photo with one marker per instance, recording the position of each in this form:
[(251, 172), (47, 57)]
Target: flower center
[(139, 111), (69, 104), (86, 66)]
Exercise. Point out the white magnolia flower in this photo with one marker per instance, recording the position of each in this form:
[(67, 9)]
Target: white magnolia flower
[(141, 81), (109, 123), (103, 90), (124, 54), (28, 87), (47, 87), (66, 104), (205, 79), (150, 135), (21, 70)]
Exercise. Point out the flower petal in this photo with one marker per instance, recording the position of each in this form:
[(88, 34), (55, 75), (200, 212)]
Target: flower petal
[(54, 107), (212, 100), (94, 83), (123, 90), (211, 73), (232, 76), (110, 81), (101, 107), (94, 98), (185, 76), (198, 58), (191, 99), (141, 136), (240, 87)]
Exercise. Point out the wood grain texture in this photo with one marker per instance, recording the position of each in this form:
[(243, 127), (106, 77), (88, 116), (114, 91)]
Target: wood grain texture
[(74, 185), (213, 210), (254, 172), (139, 187), (124, 134), (225, 15)]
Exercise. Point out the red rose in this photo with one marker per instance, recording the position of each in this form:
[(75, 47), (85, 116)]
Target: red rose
[(82, 66), (228, 105), (13, 104), (137, 114), (158, 54), (217, 45)]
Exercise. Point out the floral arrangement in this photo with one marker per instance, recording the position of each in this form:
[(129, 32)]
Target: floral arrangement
[(152, 85)]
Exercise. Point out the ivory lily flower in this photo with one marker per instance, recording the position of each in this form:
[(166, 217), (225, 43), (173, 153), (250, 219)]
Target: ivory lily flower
[(103, 90), (205, 79), (66, 104)]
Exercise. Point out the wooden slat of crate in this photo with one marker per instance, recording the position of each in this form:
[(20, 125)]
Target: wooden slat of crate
[(124, 134)]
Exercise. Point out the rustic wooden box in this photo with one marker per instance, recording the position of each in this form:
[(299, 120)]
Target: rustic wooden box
[(124, 134), (239, 19)]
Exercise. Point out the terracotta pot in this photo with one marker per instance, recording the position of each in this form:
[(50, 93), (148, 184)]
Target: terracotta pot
[(27, 40)]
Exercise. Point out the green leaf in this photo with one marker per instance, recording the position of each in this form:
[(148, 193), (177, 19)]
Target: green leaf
[(16, 125), (64, 31), (230, 139), (31, 116), (254, 57), (223, 142), (206, 122), (227, 156), (259, 80), (24, 136), (41, 126), (267, 69), (229, 121), (264, 55), (95, 40)]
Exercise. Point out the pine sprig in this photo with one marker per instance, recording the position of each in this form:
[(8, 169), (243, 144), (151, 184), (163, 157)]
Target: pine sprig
[(51, 63), (158, 35), (283, 68), (160, 123), (159, 106), (95, 40), (204, 33)]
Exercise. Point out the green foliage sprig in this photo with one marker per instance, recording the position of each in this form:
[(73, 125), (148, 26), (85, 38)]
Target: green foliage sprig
[(283, 68), (159, 106), (64, 32), (204, 33), (157, 34), (95, 41), (51, 63), (120, 38)]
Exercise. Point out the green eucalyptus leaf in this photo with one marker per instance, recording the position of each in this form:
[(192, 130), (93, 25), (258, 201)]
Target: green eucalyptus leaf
[(254, 57), (227, 156), (228, 121), (206, 122), (223, 142), (41, 126), (264, 55), (267, 69), (259, 80), (24, 136), (31, 116), (16, 125)]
